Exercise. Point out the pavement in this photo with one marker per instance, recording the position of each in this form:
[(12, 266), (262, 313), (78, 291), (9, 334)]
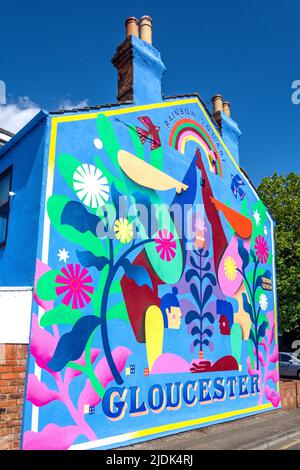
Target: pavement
[(272, 430)]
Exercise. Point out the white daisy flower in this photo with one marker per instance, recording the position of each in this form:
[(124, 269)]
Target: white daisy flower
[(263, 302), (256, 216), (90, 185)]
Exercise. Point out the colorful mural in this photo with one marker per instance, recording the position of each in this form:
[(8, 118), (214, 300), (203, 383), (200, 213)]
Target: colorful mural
[(154, 302)]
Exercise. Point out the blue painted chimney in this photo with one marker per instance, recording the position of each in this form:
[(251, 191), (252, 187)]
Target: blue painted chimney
[(229, 129), (139, 64)]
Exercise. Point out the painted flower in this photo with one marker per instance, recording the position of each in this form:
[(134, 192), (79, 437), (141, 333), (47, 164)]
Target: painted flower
[(200, 224), (165, 245), (261, 249), (74, 283), (230, 268), (256, 216), (124, 230), (263, 302), (90, 185)]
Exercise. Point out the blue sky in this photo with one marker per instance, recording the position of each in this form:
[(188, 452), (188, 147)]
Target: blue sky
[(248, 51)]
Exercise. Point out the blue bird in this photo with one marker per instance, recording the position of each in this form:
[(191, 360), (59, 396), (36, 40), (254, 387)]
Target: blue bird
[(236, 182)]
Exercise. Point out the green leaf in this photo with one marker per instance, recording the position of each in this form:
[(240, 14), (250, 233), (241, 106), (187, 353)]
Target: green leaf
[(67, 165), (46, 285), (251, 354), (60, 315), (262, 318), (109, 138), (87, 240), (119, 182), (139, 149), (157, 158), (118, 311), (236, 339)]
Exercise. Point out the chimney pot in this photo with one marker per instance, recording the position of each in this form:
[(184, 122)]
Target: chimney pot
[(226, 108), (217, 102), (146, 29), (132, 26)]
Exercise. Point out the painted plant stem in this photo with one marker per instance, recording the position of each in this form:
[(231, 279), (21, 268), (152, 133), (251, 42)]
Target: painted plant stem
[(103, 310)]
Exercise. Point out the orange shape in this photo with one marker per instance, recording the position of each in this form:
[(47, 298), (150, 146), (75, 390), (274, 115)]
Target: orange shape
[(240, 224)]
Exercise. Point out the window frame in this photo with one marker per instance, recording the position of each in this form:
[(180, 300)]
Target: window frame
[(4, 173)]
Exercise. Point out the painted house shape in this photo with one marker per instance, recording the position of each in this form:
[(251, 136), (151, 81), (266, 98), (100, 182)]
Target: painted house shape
[(139, 260)]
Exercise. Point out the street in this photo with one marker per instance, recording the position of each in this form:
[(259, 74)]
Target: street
[(274, 430)]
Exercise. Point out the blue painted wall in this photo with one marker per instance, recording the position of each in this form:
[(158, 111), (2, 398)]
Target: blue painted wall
[(148, 70), (17, 258)]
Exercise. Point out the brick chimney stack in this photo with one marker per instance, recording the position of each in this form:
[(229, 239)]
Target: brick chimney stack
[(228, 127), (139, 64), (226, 108), (146, 29), (132, 26)]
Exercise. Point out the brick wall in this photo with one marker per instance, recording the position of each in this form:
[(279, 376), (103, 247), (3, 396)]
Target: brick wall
[(12, 379), (290, 393), (298, 393)]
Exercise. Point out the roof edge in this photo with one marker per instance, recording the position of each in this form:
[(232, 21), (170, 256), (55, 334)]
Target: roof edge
[(25, 130)]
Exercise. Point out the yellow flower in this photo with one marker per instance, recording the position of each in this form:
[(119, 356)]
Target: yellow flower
[(124, 230), (230, 268)]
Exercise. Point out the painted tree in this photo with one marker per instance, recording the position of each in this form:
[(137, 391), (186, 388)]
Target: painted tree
[(201, 290)]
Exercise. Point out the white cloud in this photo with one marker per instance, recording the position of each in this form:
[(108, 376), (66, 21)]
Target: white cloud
[(68, 104), (14, 116)]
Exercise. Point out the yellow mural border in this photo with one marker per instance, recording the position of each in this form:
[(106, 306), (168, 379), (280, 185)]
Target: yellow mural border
[(134, 109), (45, 252), (106, 441)]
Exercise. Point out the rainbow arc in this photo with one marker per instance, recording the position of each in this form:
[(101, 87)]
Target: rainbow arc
[(186, 130)]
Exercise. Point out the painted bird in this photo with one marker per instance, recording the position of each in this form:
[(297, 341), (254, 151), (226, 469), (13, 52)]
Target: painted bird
[(150, 134), (235, 187)]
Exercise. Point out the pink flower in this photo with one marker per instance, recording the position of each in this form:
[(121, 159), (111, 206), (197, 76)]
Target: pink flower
[(261, 249), (166, 245), (272, 396), (75, 285)]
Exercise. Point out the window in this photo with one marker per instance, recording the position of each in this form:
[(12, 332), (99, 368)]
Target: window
[(5, 187), (285, 357)]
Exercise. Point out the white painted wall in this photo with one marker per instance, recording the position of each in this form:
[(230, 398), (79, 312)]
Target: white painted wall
[(15, 314)]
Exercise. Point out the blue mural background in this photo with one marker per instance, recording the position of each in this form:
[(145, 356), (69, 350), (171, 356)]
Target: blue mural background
[(43, 422)]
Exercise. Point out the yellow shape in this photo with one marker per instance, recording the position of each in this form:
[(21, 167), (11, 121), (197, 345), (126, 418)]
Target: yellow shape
[(242, 317), (127, 371), (124, 230), (86, 408), (230, 268), (147, 175), (154, 333)]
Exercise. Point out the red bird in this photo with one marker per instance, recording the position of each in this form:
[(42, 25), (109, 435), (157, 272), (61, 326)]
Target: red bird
[(150, 134)]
